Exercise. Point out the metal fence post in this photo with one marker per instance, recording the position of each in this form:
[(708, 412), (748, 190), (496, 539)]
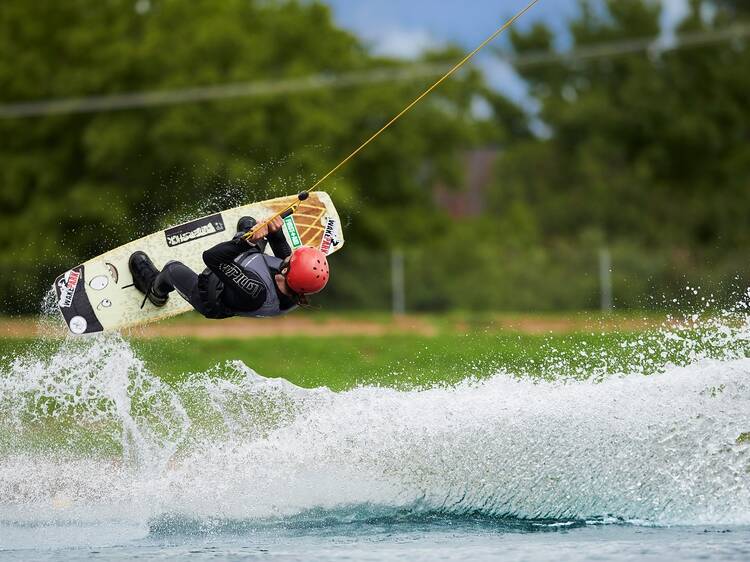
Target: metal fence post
[(605, 279), (398, 287)]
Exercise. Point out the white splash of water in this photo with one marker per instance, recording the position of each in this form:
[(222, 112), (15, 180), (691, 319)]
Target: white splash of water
[(88, 427)]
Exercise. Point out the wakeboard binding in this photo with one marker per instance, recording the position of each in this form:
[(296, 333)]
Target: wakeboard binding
[(144, 278)]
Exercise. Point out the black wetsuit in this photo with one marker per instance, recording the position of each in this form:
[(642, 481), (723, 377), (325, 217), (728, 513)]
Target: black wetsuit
[(226, 288)]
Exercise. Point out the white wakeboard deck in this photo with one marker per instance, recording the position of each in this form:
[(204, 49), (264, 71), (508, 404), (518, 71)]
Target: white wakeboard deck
[(99, 295)]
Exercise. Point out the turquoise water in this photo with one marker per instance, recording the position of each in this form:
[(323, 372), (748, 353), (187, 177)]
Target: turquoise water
[(435, 538), (99, 459)]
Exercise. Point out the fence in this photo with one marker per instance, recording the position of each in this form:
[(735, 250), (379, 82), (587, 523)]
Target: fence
[(562, 277), (493, 276)]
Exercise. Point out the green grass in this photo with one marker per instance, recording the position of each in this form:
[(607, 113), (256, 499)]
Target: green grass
[(345, 362)]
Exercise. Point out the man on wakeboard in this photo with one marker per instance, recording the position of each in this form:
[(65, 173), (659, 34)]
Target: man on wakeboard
[(240, 280)]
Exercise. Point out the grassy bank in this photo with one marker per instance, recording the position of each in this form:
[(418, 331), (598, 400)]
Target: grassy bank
[(325, 323), (343, 362), (344, 350), (340, 362)]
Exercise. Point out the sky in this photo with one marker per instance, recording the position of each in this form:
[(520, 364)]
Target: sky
[(404, 28)]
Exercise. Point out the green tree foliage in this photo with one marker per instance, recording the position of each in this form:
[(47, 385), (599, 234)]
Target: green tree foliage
[(646, 152), (647, 148), (75, 185)]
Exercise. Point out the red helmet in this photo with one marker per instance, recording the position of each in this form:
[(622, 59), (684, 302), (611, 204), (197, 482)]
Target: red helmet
[(308, 271)]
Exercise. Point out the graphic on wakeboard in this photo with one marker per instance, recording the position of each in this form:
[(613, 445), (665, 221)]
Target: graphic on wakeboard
[(99, 282)]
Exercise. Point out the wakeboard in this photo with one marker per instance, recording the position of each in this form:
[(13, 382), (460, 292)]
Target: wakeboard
[(99, 295)]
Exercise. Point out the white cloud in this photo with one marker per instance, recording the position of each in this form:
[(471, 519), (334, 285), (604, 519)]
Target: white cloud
[(402, 43), (480, 108), (501, 76), (673, 11)]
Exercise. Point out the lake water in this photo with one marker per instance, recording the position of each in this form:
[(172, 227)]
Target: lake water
[(446, 539)]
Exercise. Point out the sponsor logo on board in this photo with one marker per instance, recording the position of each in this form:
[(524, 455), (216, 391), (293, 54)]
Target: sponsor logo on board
[(67, 286), (329, 236), (291, 230), (194, 230)]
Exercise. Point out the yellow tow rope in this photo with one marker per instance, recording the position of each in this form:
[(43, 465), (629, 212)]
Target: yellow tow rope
[(303, 195)]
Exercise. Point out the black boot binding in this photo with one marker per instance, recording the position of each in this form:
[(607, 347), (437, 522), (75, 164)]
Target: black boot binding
[(144, 275), (245, 224)]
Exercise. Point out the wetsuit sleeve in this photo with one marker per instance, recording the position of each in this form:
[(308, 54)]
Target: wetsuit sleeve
[(279, 245), (225, 252)]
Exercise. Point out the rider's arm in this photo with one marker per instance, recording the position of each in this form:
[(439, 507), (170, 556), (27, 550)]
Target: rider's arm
[(225, 252), (279, 245)]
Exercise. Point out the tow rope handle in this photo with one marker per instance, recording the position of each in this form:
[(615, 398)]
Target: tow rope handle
[(289, 211)]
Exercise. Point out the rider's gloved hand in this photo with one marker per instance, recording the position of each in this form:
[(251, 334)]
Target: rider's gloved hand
[(275, 225), (272, 227)]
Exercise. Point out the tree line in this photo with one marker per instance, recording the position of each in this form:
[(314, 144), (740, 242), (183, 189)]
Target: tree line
[(644, 152)]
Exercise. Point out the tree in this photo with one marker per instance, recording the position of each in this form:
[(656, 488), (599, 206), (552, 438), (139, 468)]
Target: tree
[(75, 185), (643, 146)]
